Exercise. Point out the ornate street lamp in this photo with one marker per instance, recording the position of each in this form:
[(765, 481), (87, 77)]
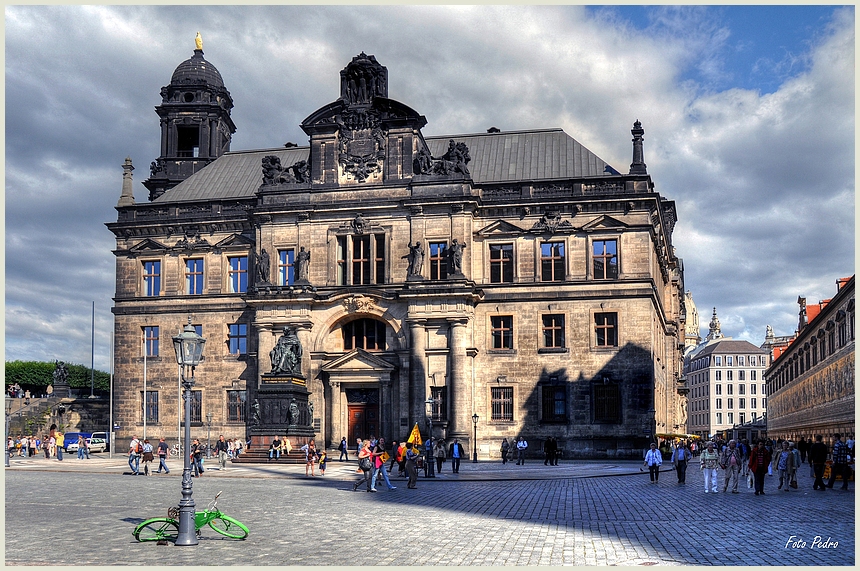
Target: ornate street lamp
[(189, 349), (431, 473), (475, 438)]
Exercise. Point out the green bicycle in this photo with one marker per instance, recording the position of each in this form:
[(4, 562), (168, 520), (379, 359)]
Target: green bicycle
[(167, 528)]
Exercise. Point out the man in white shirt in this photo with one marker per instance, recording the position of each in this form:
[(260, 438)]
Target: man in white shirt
[(134, 455), (522, 445)]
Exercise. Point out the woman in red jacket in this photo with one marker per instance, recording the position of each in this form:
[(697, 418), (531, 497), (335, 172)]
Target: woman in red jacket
[(759, 461)]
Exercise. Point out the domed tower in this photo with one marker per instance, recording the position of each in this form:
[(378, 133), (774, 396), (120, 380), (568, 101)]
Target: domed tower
[(196, 127)]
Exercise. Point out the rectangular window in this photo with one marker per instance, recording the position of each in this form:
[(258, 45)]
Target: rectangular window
[(607, 398), (718, 361), (286, 269), (763, 389), (741, 360), (719, 418), (501, 263), (605, 259), (730, 403), (729, 375), (367, 334), (552, 262), (237, 275), (187, 141), (606, 328), (742, 403), (741, 389), (502, 330), (553, 331), (238, 338), (731, 418), (741, 375), (554, 404), (752, 376), (439, 409), (151, 279), (752, 389), (719, 403), (728, 361), (438, 260), (729, 389), (341, 260), (753, 403), (361, 262), (196, 407), (742, 417), (194, 277), (379, 241), (150, 406), (718, 375), (502, 403), (764, 403), (150, 341), (718, 390), (236, 406)]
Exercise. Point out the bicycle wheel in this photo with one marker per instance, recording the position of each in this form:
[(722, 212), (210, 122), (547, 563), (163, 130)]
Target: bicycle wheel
[(226, 525), (156, 529)]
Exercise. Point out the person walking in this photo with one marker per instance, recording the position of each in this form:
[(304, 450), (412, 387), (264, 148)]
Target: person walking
[(653, 459), (162, 451), (411, 469), (680, 456), (147, 456), (196, 452), (221, 448), (429, 465), (344, 451), (365, 464), (457, 453), (310, 450), (82, 448), (379, 458), (505, 449), (818, 457), (803, 448), (548, 451), (323, 461), (759, 461), (134, 450), (797, 464), (709, 461), (783, 464), (440, 455), (522, 446), (394, 456), (730, 461), (840, 463)]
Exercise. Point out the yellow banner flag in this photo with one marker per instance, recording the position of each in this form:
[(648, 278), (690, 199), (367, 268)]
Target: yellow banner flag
[(415, 436)]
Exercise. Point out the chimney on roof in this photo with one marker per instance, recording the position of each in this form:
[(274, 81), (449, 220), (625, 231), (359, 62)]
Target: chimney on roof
[(288, 145), (638, 164), (494, 130)]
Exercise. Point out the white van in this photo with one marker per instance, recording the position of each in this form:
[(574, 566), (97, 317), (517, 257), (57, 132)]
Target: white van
[(105, 436)]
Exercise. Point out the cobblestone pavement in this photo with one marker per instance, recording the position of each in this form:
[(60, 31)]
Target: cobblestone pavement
[(579, 513)]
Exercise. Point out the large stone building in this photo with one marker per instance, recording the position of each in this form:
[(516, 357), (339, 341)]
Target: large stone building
[(725, 379), (811, 381), (514, 277)]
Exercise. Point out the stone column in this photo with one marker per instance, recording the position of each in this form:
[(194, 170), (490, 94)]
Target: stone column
[(417, 371), (459, 390), (336, 420)]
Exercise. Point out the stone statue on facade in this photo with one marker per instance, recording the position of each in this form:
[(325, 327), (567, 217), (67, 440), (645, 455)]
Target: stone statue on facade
[(61, 373), (310, 412), (423, 162), (455, 256), (301, 171), (416, 260), (263, 264), (286, 355), (256, 414), (294, 412), (454, 160), (303, 259)]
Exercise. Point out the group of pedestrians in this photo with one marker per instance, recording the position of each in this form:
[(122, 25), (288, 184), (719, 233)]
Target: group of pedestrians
[(739, 461), (25, 446)]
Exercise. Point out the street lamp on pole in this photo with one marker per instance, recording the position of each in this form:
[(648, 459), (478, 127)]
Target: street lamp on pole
[(430, 473), (208, 434), (475, 438), (189, 349), (6, 440)]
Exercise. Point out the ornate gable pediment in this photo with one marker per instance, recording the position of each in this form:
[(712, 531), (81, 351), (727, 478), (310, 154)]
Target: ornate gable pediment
[(551, 222), (358, 360), (605, 222), (235, 241), (148, 246), (500, 228)]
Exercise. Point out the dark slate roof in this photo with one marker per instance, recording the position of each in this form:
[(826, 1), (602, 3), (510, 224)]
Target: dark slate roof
[(496, 158), (725, 346), (196, 70)]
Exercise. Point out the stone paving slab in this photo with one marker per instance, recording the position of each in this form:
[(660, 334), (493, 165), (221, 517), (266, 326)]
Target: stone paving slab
[(489, 515)]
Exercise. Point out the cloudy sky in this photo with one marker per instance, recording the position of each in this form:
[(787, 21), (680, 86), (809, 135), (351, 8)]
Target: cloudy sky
[(748, 115)]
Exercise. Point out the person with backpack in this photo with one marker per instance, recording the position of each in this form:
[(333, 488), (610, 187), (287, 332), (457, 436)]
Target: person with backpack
[(147, 456), (135, 449)]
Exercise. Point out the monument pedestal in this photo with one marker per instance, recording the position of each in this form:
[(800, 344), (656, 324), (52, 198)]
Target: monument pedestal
[(281, 410)]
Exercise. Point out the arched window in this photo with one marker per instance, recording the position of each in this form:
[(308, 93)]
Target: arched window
[(367, 334)]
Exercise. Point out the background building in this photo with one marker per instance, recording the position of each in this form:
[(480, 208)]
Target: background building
[(725, 379), (811, 381), (510, 275)]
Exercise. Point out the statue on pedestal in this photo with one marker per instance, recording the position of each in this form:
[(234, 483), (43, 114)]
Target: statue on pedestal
[(287, 354)]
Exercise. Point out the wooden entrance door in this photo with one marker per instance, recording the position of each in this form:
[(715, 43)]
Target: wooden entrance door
[(363, 421)]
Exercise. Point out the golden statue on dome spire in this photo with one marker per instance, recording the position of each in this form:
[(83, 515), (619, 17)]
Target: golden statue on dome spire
[(198, 42)]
